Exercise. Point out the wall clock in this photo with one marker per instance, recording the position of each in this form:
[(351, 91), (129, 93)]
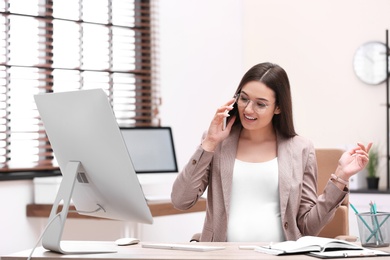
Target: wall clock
[(369, 63)]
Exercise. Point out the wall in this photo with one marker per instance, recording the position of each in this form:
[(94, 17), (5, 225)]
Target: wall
[(201, 65), (314, 41)]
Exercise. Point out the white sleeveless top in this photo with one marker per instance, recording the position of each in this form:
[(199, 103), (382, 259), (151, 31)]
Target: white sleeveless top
[(254, 207)]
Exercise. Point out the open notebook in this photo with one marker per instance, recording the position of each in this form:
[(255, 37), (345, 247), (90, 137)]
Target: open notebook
[(319, 247)]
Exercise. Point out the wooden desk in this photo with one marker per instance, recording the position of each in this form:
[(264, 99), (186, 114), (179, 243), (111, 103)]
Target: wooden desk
[(157, 208), (137, 252)]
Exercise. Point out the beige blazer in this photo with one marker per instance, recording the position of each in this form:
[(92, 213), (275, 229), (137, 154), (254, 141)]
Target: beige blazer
[(302, 212)]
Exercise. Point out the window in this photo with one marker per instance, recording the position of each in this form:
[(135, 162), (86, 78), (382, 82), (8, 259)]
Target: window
[(57, 45)]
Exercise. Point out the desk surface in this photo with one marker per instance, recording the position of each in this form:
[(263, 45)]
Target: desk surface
[(231, 251)]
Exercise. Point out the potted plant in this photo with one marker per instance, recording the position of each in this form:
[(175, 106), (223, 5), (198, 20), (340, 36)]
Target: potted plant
[(372, 168)]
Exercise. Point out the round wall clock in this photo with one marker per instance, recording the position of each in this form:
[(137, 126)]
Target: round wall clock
[(369, 63)]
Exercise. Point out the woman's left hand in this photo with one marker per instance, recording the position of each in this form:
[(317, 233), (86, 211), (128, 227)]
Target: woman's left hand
[(353, 161)]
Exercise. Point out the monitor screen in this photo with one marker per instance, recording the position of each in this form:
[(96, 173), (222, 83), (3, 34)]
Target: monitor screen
[(151, 149), (98, 174)]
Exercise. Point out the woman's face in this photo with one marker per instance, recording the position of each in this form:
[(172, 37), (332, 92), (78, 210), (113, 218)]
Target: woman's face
[(256, 105)]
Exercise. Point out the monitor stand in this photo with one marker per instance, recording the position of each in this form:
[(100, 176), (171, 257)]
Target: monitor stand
[(51, 238)]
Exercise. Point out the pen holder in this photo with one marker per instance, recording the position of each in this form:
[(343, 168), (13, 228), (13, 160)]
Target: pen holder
[(374, 229)]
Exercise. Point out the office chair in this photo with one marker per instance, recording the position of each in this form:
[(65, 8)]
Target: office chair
[(338, 227), (327, 160)]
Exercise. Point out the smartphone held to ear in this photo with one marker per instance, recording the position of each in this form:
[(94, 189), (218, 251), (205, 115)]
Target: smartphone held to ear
[(231, 113)]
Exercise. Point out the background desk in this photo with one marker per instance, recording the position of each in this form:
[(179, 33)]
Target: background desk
[(157, 208), (170, 224), (137, 252)]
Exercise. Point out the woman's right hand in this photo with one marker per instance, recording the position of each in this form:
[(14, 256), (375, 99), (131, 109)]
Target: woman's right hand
[(216, 133)]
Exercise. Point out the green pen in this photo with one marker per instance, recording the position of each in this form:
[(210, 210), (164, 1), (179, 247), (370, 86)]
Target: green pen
[(376, 222), (357, 213)]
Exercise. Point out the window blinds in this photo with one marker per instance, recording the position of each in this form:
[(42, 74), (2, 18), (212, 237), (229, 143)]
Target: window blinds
[(57, 45)]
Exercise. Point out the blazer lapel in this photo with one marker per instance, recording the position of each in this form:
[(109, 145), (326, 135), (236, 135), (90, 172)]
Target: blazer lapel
[(286, 166), (226, 164)]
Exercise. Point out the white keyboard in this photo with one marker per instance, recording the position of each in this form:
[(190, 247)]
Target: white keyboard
[(186, 247)]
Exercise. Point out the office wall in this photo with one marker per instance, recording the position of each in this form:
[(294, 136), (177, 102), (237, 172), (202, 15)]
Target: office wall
[(201, 65), (315, 42)]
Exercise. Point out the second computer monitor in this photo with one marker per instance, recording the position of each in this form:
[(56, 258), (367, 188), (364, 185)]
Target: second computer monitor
[(151, 149)]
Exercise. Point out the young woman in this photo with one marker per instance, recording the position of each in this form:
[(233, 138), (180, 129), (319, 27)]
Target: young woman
[(261, 177)]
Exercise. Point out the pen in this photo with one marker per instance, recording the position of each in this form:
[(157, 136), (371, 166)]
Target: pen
[(248, 247), (375, 223), (353, 207), (368, 253)]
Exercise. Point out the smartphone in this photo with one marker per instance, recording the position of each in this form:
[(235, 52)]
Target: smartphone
[(231, 113)]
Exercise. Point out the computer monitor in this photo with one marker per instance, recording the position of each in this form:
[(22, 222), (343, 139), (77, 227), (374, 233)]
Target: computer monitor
[(98, 173), (151, 149)]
